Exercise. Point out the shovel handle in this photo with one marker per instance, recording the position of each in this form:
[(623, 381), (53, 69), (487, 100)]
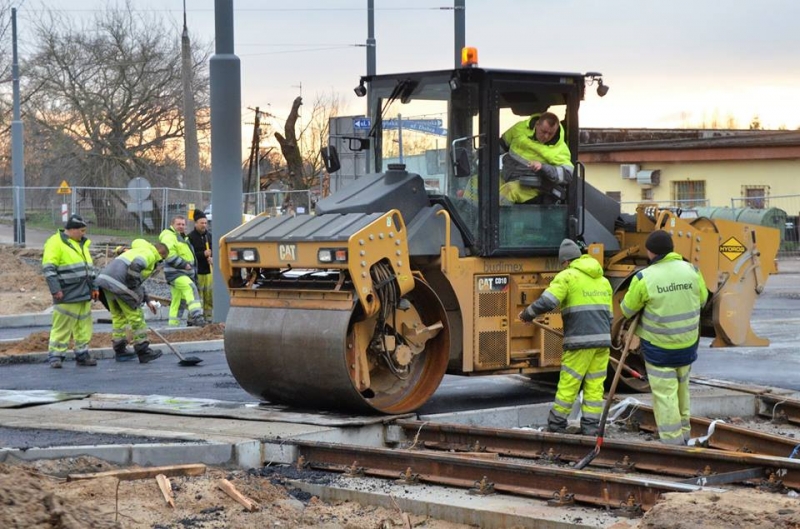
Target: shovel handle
[(171, 348)]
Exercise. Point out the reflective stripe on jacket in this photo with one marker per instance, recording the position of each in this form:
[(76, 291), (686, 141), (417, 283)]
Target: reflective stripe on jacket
[(181, 253), (124, 275), (672, 293), (68, 267), (584, 295)]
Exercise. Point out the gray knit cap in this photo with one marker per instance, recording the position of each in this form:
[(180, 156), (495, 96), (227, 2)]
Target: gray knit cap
[(568, 251)]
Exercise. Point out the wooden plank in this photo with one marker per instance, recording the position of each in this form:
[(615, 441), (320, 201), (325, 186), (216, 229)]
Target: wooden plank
[(228, 488), (166, 489), (130, 474)]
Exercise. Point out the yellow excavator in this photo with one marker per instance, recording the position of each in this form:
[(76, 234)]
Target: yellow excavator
[(420, 268)]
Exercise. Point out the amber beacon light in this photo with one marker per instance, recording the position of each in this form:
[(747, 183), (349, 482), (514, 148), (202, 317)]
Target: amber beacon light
[(469, 56)]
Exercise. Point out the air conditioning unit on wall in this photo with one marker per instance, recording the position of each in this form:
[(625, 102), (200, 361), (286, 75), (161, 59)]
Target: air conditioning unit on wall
[(628, 171), (648, 178)]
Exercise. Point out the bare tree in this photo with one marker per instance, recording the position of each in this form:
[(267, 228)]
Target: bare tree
[(111, 92), (290, 147), (305, 168)]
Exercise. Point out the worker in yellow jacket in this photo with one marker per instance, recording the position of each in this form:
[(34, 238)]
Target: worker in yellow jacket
[(672, 293), (584, 296), (123, 293), (536, 150), (68, 268), (180, 272)]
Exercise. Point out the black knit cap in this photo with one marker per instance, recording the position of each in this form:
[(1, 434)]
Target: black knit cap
[(74, 222), (198, 214), (659, 242)]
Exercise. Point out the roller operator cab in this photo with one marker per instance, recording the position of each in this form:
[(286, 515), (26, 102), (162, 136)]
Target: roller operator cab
[(421, 268)]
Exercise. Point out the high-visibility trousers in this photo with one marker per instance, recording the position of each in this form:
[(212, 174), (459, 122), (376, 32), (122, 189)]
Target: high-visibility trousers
[(123, 317), (670, 388), (515, 193), (582, 368), (184, 289), (71, 321), (205, 287)]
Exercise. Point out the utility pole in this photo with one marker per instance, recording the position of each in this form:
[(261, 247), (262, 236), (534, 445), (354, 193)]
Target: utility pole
[(255, 146), (190, 145), (226, 142), (17, 144), (371, 68)]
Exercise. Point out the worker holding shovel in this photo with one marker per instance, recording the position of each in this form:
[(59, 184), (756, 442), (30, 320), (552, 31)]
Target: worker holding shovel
[(672, 293), (584, 295), (123, 294)]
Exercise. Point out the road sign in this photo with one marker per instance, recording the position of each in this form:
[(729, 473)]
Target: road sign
[(429, 126), (64, 188), (139, 189), (362, 123), (140, 206)]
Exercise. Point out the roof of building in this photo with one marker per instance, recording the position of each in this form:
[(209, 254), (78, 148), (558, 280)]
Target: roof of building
[(626, 145)]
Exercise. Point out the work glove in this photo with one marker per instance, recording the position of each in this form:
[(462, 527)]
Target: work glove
[(526, 315)]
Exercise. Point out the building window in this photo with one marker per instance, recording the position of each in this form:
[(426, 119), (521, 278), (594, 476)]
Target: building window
[(755, 196), (647, 195), (616, 195), (689, 193)]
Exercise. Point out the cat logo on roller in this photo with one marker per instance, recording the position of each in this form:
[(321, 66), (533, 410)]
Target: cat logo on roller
[(732, 249)]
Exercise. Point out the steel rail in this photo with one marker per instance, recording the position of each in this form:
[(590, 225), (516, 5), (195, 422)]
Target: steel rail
[(564, 486), (779, 409), (621, 456), (725, 437)]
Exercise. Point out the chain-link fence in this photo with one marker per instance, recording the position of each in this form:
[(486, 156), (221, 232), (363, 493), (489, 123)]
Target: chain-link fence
[(137, 212)]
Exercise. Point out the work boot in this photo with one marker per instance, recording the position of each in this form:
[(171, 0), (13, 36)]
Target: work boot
[(590, 427), (55, 363), (556, 424), (144, 352), (196, 321), (85, 360), (121, 351)]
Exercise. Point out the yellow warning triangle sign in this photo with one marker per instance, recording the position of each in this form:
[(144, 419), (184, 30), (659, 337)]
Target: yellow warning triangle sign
[(64, 188)]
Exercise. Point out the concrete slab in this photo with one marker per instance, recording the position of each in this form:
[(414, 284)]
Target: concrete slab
[(458, 506)]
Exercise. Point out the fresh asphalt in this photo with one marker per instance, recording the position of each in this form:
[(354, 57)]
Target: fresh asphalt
[(776, 316)]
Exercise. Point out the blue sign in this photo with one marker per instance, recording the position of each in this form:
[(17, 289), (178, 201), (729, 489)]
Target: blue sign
[(429, 126), (361, 124)]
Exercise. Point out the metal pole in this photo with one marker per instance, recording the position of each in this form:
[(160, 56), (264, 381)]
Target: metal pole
[(400, 136), (459, 29), (371, 70), (226, 142), (17, 144)]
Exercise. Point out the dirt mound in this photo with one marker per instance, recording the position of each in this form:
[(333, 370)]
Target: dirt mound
[(35, 495), (23, 288), (31, 501), (38, 341), (734, 509)]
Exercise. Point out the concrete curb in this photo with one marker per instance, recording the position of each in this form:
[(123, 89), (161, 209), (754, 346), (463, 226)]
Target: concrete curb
[(246, 454), (107, 353)]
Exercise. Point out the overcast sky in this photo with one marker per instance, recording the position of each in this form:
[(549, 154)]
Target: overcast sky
[(671, 63)]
